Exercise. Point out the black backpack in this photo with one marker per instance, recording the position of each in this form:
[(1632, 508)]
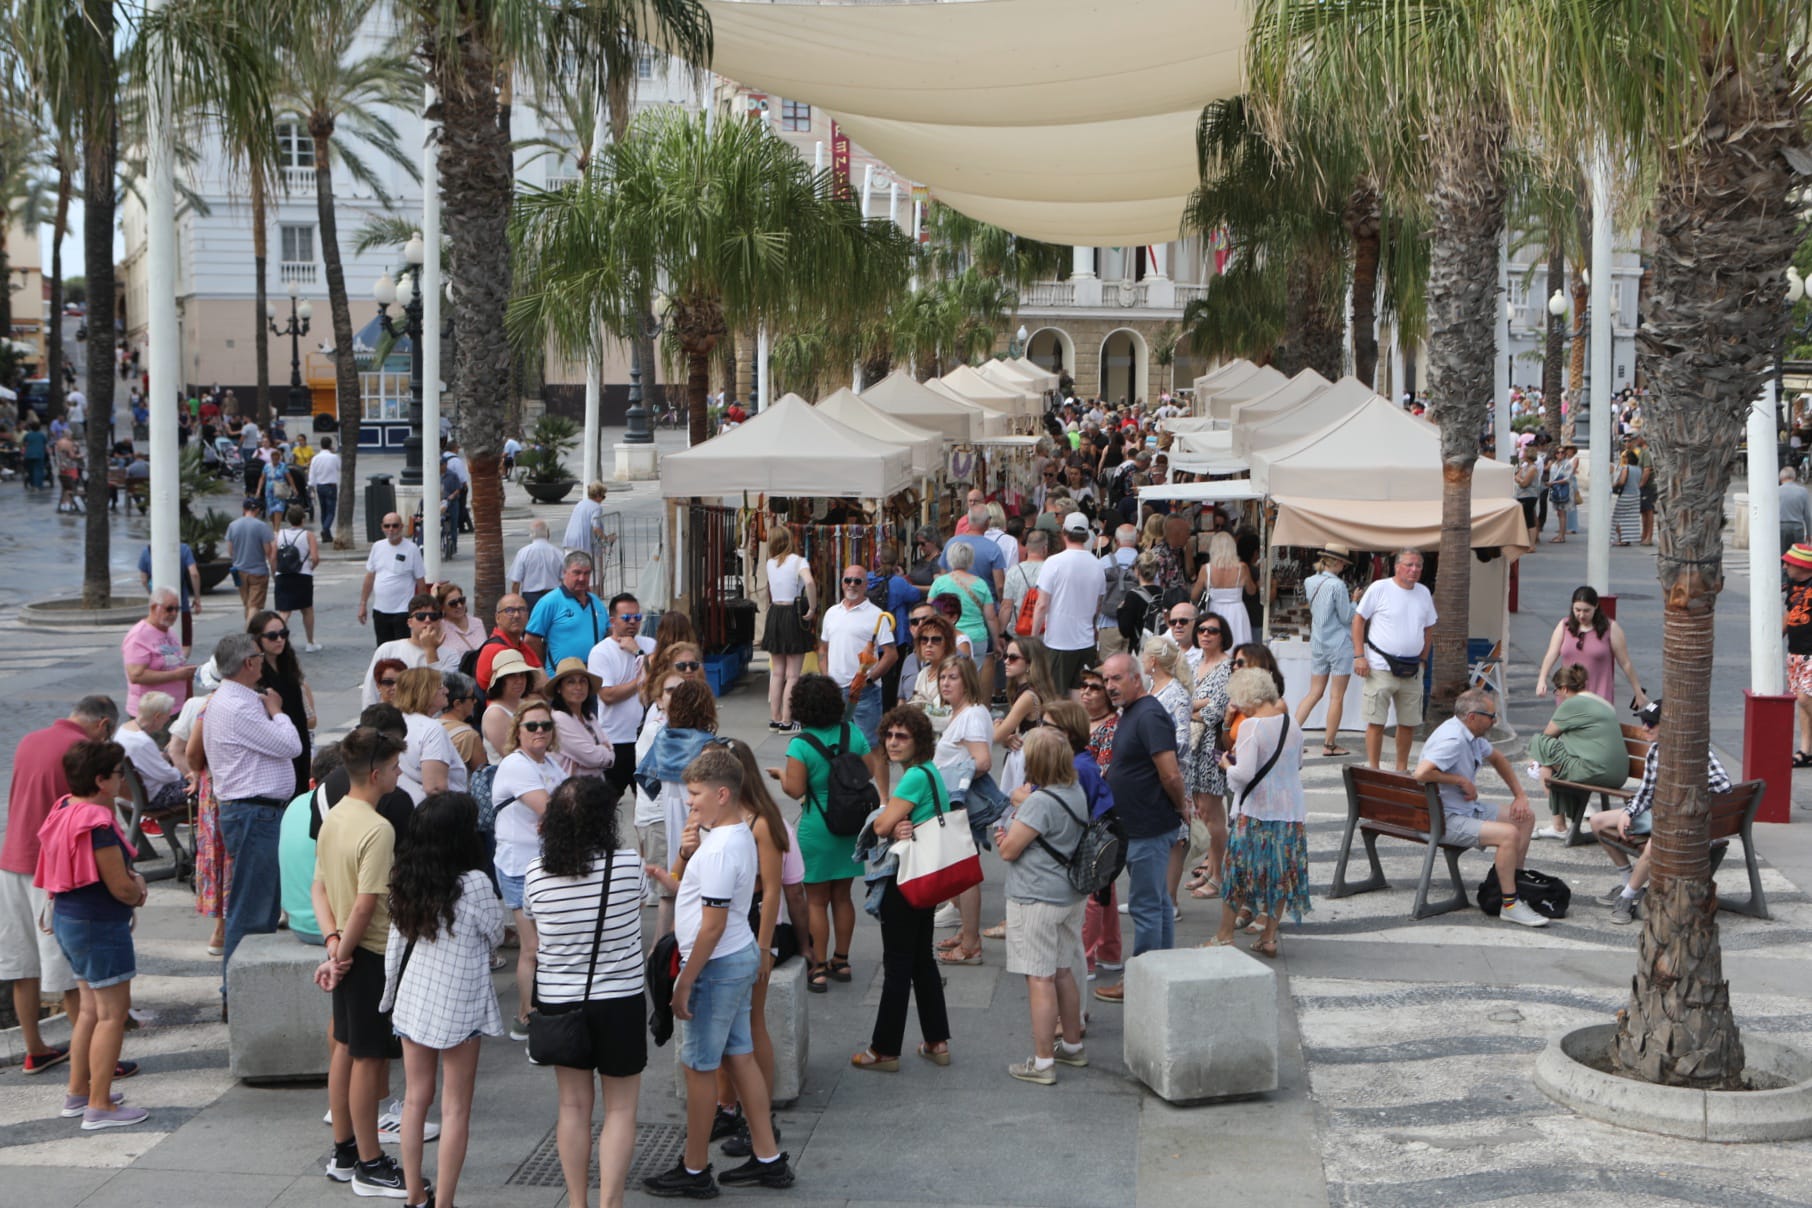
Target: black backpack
[(1097, 859), (850, 793), (1544, 893), (289, 557)]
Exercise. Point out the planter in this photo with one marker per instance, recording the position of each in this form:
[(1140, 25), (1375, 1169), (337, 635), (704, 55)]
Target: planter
[(213, 574), (550, 492), (1780, 1111)]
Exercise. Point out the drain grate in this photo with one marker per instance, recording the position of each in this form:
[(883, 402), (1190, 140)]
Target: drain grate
[(657, 1148)]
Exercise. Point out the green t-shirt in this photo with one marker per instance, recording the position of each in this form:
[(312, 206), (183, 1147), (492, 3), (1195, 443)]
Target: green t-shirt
[(1589, 730), (296, 866), (925, 790), (817, 770)]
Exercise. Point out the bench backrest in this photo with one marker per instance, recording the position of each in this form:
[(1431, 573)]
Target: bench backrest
[(1731, 811), (1392, 798), (1637, 744)]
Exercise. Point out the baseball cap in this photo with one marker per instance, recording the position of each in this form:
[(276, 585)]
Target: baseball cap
[(1075, 522)]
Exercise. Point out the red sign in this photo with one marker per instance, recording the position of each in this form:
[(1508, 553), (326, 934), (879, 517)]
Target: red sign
[(840, 159)]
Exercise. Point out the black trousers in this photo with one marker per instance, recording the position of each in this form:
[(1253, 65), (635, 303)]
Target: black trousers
[(908, 970), (621, 771), (389, 626)]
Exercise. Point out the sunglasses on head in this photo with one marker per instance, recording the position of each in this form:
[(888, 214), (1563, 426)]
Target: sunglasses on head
[(272, 635), (536, 727), (425, 615), (687, 665)]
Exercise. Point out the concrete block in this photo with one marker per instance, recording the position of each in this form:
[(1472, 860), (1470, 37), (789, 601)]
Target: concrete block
[(637, 463), (786, 1018), (1201, 1023), (277, 1030)]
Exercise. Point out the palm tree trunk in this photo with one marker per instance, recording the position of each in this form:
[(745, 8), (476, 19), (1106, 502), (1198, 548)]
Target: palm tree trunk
[(1582, 298), (1706, 340), (476, 185), (339, 306), (698, 388), (1556, 342), (53, 339), (100, 139), (1468, 207), (1364, 225), (261, 329)]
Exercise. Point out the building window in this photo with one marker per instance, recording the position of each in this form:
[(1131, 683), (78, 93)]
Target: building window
[(795, 116), (295, 149), (644, 66), (385, 394), (297, 241)]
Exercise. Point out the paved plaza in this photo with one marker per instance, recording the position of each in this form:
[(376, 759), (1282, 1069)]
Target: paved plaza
[(1407, 1046)]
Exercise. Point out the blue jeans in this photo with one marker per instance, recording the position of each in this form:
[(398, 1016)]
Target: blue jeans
[(1153, 914), (326, 499), (250, 831), (720, 1010), (865, 714)]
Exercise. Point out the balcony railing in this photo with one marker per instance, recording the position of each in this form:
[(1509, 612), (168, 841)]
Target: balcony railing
[(299, 180), (1049, 293), (1190, 293), (299, 272), (1123, 293)]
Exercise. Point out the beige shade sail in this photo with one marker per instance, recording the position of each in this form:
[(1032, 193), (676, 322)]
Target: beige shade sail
[(1377, 451), (975, 386), (1393, 524), (927, 444), (902, 396), (989, 421), (1260, 382), (964, 97), (790, 448)]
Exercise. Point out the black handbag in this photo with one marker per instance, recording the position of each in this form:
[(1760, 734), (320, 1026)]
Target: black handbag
[(565, 1039), (1401, 668)]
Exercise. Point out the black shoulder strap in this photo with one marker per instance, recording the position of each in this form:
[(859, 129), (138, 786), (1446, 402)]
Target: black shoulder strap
[(1062, 859), (597, 931), (1282, 735)]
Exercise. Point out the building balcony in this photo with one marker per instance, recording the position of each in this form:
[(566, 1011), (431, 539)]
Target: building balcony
[(1154, 297), (299, 181), (297, 272)]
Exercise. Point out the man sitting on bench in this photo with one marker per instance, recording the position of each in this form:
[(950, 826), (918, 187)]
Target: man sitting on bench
[(1634, 820), (1451, 758)]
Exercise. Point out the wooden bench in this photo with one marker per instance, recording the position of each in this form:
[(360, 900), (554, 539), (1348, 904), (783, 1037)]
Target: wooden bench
[(1390, 803), (1568, 798), (1732, 817)]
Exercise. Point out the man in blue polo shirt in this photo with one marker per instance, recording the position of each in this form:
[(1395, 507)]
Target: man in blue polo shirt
[(989, 565), (568, 622)]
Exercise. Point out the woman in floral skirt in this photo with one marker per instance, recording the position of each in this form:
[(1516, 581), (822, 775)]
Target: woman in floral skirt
[(212, 869)]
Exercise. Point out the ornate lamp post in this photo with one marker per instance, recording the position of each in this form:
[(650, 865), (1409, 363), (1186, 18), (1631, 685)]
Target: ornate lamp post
[(1016, 347), (295, 329), (637, 429), (400, 315)]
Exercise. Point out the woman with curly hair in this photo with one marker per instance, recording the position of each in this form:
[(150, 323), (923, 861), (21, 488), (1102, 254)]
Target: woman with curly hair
[(680, 658), (444, 921), (934, 640), (585, 892)]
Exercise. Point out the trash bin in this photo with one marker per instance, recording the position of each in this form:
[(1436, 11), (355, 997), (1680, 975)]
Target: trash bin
[(380, 501)]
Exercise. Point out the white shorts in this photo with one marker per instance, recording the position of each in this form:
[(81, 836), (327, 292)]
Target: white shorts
[(25, 951), (1043, 937)]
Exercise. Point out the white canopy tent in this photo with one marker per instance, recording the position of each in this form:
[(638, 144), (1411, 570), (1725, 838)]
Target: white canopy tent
[(993, 422), (790, 448), (1299, 389), (1266, 428), (926, 444), (978, 387), (1188, 423), (1044, 378), (1221, 491), (1010, 375), (1260, 382), (928, 89), (1222, 377), (902, 396)]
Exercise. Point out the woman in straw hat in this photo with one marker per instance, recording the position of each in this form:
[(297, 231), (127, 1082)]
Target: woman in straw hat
[(585, 750), (1330, 640)]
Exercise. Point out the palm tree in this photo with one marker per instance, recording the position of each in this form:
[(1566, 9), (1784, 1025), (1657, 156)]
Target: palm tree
[(723, 216), (1327, 68), (1546, 213), (1712, 103), (339, 96)]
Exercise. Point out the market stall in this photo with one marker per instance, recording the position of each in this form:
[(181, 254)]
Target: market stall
[(902, 396), (1221, 377), (1223, 399), (975, 386), (1045, 379), (993, 421), (926, 444), (1266, 423), (1011, 376)]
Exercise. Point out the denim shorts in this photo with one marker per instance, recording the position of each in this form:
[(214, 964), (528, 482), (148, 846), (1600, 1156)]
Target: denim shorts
[(99, 952), (510, 889), (719, 1026), (865, 714)]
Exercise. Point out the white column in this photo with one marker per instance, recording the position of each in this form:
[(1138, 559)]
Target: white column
[(818, 157), (761, 365), (893, 203), (164, 352), (1767, 653), (1501, 362), (1598, 536), (594, 370), (868, 184), (1082, 262), (1160, 260), (430, 285)]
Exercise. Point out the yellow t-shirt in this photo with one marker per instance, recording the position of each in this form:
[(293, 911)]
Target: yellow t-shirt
[(301, 455), (353, 856)]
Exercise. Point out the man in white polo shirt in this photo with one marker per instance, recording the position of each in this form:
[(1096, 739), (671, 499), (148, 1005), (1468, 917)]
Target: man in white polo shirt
[(619, 660), (1070, 588), (1393, 628), (855, 648)]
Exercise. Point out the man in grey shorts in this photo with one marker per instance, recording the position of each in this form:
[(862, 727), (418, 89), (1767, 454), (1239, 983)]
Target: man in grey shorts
[(1451, 758)]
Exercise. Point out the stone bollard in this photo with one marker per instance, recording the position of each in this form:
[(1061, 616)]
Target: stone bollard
[(786, 1016), (278, 1027), (1201, 1023)]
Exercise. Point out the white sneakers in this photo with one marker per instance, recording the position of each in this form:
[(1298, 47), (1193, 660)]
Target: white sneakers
[(947, 916), (1522, 912), (1548, 832)]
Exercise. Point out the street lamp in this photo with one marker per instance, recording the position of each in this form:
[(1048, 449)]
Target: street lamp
[(1557, 303), (400, 315), (295, 329), (1792, 337), (1016, 348), (637, 428)]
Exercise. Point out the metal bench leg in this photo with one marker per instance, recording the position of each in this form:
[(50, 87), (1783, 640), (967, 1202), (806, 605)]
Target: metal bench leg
[(1340, 888), (1756, 904), (1579, 834)]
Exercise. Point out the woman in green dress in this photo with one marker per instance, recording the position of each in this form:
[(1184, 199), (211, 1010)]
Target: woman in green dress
[(1582, 743), (830, 860)]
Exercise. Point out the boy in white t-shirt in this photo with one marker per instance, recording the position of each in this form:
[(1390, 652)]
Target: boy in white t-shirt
[(716, 868)]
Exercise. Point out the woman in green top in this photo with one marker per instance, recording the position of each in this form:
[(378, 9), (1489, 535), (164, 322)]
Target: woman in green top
[(908, 968), (1582, 743), (976, 595), (830, 860)]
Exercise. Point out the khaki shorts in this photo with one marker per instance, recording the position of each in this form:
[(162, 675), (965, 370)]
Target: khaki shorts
[(1043, 937), (651, 840), (252, 589), (1382, 689), (25, 951)]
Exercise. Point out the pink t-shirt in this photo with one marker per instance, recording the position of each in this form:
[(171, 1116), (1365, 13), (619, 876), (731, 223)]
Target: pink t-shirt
[(159, 650)]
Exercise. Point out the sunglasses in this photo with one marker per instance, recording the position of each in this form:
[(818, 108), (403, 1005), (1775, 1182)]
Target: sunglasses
[(931, 637), (847, 579), (388, 527), (688, 665), (1015, 658), (274, 635), (1181, 622), (631, 617), (387, 683), (458, 603), (1482, 713), (897, 736), (424, 615), (1094, 686), (1216, 630), (513, 610), (537, 727)]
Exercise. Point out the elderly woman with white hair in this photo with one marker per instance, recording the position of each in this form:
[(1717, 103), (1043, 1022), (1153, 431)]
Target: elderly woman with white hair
[(163, 781), (1266, 872)]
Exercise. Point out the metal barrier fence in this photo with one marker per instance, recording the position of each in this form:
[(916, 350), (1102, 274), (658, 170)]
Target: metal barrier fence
[(628, 544)]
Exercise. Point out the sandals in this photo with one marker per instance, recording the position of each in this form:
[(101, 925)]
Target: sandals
[(960, 956), (1802, 759), (817, 979), (868, 1059), (1265, 948), (1215, 941), (1205, 891), (996, 932), (838, 967), (949, 942), (1333, 752), (935, 1056)]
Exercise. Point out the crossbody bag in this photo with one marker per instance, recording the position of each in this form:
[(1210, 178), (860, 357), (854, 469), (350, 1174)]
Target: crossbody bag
[(565, 1039)]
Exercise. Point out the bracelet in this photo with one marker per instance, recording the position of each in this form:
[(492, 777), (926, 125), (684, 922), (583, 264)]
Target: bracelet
[(332, 935)]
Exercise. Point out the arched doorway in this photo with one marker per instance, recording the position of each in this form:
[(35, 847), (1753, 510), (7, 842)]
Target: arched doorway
[(1051, 348), (1125, 364)]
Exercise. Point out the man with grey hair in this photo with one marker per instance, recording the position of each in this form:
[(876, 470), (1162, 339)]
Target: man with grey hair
[(251, 747), (537, 566), (30, 958), (394, 572), (567, 623), (1117, 569), (1451, 759), (1796, 509), (1393, 628), (988, 565), (153, 655)]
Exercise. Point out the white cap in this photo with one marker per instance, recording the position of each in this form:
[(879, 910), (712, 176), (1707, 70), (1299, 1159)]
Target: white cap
[(1075, 522)]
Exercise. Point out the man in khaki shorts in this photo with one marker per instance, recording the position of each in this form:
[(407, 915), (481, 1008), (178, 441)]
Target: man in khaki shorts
[(1395, 618)]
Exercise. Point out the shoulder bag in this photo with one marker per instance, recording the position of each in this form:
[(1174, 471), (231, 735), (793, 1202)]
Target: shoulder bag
[(1282, 736), (940, 860), (565, 1039)]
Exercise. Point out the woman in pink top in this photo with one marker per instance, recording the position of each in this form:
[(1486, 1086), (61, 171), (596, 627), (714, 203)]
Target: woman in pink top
[(1588, 638)]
